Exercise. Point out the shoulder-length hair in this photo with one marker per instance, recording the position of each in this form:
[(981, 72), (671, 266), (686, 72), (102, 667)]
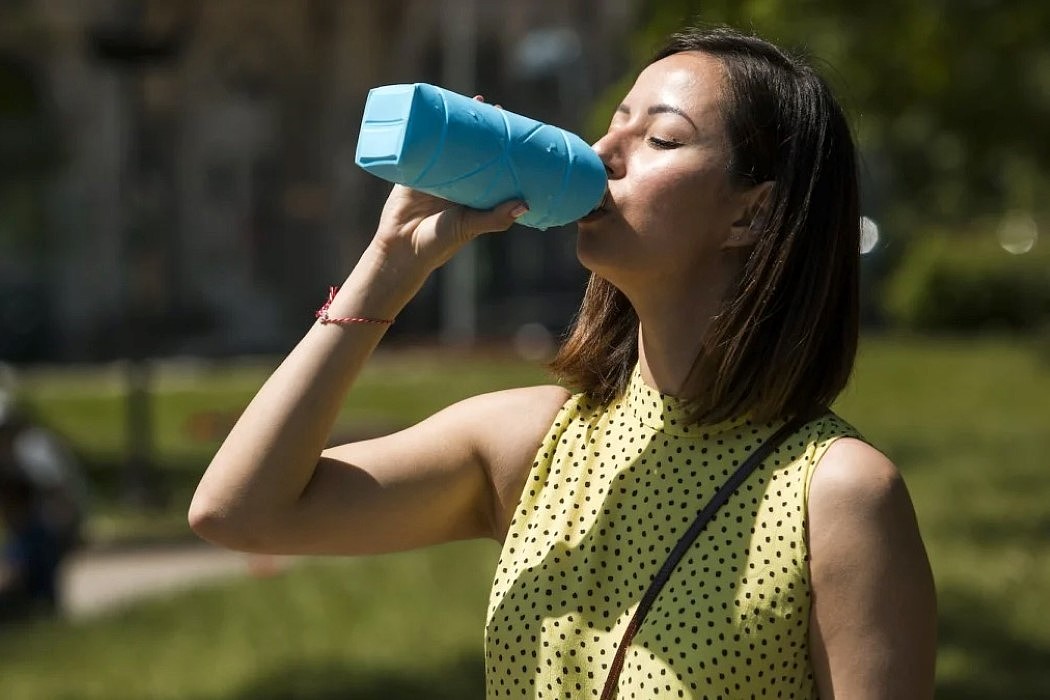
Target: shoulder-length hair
[(785, 338)]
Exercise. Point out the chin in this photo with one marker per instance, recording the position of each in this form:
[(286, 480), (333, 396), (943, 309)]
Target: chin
[(604, 257), (589, 247)]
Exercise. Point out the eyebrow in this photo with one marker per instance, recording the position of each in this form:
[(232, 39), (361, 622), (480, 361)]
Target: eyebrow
[(661, 108)]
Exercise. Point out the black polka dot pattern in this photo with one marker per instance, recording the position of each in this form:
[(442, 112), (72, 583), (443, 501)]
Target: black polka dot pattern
[(611, 491)]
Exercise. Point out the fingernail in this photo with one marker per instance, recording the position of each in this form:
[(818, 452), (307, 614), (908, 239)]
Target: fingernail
[(519, 210)]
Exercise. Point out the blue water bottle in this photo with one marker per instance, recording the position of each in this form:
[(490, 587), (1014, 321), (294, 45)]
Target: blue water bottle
[(472, 153)]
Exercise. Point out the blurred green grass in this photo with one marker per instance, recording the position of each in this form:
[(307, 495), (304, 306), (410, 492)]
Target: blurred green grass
[(389, 627), (195, 403), (967, 421)]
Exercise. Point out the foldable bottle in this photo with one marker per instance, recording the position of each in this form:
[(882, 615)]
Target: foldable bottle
[(472, 153)]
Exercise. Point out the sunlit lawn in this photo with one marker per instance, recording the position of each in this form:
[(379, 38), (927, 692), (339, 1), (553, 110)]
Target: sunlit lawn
[(195, 404), (968, 421)]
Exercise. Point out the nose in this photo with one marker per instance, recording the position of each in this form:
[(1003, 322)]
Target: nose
[(609, 149)]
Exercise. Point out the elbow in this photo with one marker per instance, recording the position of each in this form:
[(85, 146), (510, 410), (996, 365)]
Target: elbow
[(214, 523), (207, 521)]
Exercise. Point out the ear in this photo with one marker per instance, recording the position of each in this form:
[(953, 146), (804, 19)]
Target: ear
[(751, 222)]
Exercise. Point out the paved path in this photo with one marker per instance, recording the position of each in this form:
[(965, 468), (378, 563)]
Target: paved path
[(96, 582)]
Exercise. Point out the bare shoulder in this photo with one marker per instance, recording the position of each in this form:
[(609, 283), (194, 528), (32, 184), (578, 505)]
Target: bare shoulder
[(517, 417), (854, 475), (857, 501), (509, 427), (492, 420), (520, 407), (499, 420), (873, 618)]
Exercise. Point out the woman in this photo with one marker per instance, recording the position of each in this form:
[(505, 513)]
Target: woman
[(723, 301)]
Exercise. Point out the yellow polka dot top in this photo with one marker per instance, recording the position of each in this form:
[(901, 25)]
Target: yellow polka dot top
[(610, 492)]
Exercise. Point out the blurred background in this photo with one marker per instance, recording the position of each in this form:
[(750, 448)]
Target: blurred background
[(178, 190)]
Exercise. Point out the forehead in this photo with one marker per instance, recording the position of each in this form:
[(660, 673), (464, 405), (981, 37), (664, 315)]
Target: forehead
[(691, 80)]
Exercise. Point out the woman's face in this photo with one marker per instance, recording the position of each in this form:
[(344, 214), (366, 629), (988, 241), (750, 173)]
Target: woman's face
[(671, 206)]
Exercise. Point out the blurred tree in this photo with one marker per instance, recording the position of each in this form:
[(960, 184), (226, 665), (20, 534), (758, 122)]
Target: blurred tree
[(950, 101)]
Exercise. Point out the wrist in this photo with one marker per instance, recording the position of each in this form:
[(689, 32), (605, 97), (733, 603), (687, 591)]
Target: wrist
[(379, 286), (326, 318), (394, 268)]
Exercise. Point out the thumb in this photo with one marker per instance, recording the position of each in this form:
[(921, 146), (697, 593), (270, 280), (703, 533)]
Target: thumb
[(499, 218)]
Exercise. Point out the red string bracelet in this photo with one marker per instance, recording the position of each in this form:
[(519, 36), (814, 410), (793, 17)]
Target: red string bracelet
[(322, 314)]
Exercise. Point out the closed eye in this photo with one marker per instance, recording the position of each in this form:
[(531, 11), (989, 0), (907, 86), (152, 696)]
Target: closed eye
[(662, 144)]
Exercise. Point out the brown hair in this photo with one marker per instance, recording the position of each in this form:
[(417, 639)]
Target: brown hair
[(786, 337)]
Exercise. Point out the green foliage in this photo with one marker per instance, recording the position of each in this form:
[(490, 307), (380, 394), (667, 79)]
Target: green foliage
[(967, 284), (951, 104)]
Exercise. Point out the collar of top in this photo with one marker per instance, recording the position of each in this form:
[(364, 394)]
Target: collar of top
[(667, 413)]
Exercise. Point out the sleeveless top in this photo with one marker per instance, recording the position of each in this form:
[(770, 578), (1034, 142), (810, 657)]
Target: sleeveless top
[(611, 491)]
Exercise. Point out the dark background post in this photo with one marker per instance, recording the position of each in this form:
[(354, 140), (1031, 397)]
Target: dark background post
[(129, 49)]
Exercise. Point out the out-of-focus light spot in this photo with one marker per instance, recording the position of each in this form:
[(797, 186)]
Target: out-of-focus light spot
[(546, 51), (869, 235), (533, 342), (1018, 232)]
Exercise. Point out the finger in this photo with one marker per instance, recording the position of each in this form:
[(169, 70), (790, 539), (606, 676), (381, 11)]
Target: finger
[(413, 203), (500, 218), (405, 191), (480, 98)]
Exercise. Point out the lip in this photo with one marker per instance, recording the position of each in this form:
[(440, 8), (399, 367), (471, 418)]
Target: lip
[(598, 212)]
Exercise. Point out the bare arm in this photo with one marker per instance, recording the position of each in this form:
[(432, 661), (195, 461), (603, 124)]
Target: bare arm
[(456, 475), (268, 488), (873, 631)]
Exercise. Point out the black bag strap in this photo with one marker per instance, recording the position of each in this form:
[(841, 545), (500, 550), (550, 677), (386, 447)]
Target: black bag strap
[(732, 484)]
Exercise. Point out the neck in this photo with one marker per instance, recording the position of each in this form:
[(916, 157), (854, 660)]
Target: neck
[(673, 323)]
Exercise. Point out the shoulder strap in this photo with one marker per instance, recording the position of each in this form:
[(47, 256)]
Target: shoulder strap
[(732, 484)]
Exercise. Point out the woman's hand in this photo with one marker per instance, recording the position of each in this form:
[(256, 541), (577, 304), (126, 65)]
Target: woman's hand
[(425, 231)]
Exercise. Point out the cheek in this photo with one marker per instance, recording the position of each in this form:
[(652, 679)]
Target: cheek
[(675, 198)]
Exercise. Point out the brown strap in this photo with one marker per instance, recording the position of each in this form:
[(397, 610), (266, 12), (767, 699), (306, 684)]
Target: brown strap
[(723, 494)]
